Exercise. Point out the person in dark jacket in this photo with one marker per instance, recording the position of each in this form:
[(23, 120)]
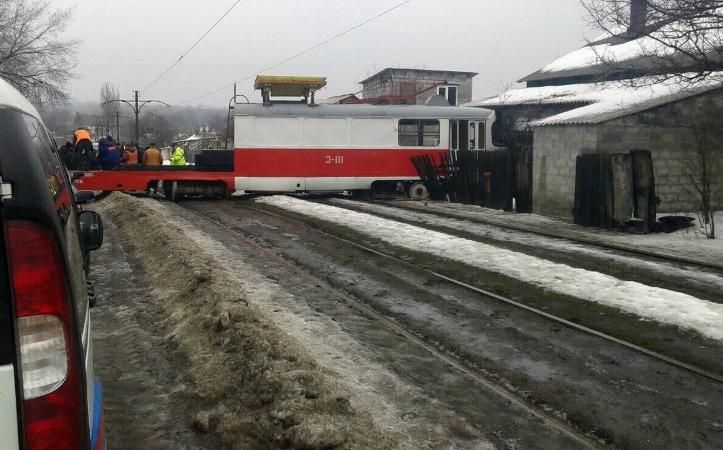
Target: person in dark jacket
[(71, 158), (108, 156)]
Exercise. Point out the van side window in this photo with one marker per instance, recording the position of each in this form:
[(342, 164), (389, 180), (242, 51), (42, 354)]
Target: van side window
[(61, 196), (419, 133)]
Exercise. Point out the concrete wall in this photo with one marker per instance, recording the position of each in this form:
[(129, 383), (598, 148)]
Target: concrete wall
[(409, 81), (553, 167), (665, 131)]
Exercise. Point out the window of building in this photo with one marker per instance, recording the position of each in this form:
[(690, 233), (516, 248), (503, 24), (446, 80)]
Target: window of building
[(419, 133), (448, 92)]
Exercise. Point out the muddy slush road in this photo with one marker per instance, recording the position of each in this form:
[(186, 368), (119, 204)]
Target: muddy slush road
[(142, 375), (415, 354)]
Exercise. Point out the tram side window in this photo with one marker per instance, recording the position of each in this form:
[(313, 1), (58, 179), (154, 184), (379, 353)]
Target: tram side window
[(481, 135), (419, 133)]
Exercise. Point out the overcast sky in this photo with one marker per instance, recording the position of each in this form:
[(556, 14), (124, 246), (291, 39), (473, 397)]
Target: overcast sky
[(131, 42)]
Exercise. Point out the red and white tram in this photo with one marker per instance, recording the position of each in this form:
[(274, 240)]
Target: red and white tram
[(296, 147)]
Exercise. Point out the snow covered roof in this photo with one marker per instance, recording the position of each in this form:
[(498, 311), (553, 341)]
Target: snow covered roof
[(546, 95), (618, 52), (615, 100), (600, 102), (588, 60)]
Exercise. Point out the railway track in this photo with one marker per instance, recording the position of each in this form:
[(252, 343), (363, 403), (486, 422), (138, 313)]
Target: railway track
[(548, 418), (660, 256), (508, 301)]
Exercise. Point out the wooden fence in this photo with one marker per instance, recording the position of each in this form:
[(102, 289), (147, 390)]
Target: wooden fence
[(488, 178)]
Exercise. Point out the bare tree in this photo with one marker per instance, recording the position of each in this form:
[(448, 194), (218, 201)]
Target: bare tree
[(109, 108), (33, 56), (681, 39), (705, 165)]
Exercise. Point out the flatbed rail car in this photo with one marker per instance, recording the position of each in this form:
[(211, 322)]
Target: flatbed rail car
[(317, 148)]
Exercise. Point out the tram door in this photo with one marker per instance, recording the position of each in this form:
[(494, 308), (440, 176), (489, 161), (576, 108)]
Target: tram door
[(466, 135)]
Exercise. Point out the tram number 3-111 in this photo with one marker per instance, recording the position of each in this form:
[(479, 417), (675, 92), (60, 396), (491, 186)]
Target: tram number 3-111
[(334, 159)]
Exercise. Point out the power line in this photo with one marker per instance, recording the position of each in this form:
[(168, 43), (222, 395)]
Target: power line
[(301, 53), (192, 47)]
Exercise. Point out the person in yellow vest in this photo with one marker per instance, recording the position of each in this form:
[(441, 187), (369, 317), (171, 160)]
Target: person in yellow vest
[(178, 157)]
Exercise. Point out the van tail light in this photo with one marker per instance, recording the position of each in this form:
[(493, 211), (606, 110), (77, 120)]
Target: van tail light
[(54, 415)]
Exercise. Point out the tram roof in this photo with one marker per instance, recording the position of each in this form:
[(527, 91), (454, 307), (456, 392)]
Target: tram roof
[(396, 111)]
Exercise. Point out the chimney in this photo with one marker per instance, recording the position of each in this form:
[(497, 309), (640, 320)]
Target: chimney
[(638, 17)]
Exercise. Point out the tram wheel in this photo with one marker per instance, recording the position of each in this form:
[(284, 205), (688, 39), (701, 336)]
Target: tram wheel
[(418, 191)]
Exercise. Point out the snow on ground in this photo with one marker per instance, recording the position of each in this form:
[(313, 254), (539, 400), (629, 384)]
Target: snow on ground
[(662, 305), (689, 243), (521, 237), (374, 387)]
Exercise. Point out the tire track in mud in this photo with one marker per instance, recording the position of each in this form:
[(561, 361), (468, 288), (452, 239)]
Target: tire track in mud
[(142, 378)]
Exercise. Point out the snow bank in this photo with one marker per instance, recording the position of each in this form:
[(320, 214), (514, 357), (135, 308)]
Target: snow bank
[(662, 305), (537, 241), (263, 389)]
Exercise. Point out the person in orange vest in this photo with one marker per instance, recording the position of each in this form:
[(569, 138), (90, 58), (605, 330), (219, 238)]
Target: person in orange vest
[(130, 155), (81, 135), (84, 148)]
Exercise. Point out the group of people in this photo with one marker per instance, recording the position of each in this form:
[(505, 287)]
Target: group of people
[(80, 154)]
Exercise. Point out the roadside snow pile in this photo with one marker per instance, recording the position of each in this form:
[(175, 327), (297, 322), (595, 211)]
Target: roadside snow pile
[(662, 305), (263, 390)]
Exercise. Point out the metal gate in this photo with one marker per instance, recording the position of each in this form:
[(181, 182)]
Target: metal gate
[(488, 178), (613, 190)]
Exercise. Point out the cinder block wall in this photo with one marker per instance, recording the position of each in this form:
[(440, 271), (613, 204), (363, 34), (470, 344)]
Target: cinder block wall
[(553, 167), (406, 82), (665, 131)]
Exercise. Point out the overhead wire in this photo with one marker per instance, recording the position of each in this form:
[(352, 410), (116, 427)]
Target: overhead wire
[(159, 77), (301, 53)]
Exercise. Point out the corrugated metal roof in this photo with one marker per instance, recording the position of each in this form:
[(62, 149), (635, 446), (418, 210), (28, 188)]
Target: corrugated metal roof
[(401, 111), (546, 95), (616, 100)]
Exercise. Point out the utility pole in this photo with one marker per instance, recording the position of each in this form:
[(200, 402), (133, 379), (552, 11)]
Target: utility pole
[(117, 124), (136, 106)]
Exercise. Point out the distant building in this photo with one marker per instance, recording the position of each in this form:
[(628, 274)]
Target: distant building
[(397, 86)]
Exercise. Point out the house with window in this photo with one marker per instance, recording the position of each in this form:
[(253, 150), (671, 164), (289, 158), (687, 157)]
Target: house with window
[(399, 86)]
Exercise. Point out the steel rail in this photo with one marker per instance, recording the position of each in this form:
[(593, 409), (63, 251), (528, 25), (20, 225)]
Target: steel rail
[(653, 354), (451, 360)]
